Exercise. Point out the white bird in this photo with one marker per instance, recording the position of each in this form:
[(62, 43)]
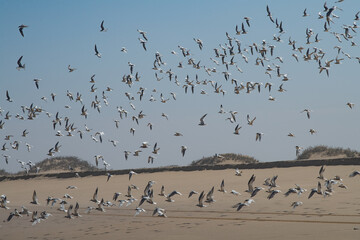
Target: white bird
[(160, 212), (131, 173), (296, 204), (138, 211), (238, 172), (236, 193)]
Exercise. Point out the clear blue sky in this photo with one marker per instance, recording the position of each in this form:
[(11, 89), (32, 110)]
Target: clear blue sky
[(65, 32)]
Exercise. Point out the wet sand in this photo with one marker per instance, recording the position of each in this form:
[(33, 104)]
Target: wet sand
[(333, 217)]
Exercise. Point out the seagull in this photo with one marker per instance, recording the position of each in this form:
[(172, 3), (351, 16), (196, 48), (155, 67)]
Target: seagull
[(222, 187), (142, 42), (35, 198), (236, 193), (69, 211), (95, 196), (256, 190), (192, 192), (76, 210), (168, 197), (21, 28), (138, 211), (202, 123), (97, 52), (321, 172), (237, 129), (144, 145), (250, 184), (351, 105), (201, 199), (291, 190), (108, 177), (36, 80), (131, 173), (8, 98), (199, 42), (250, 121), (305, 13), (246, 203), (183, 150), (316, 190), (298, 149), (160, 212), (143, 34), (102, 28), (247, 19), (20, 65), (295, 204), (312, 131), (258, 136), (273, 193), (71, 69), (354, 173), (307, 112), (237, 172)]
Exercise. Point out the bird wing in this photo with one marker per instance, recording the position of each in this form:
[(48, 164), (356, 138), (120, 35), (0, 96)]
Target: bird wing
[(95, 196), (35, 198), (201, 198), (19, 61), (21, 31), (250, 183)]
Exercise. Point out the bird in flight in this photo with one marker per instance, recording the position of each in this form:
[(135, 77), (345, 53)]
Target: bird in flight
[(202, 123), (97, 52), (20, 65), (102, 28), (21, 29)]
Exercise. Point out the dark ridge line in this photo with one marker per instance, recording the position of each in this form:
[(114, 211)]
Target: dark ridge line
[(259, 165)]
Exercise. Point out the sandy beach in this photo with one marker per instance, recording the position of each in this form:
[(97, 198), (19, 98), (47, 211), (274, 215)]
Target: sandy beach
[(333, 217)]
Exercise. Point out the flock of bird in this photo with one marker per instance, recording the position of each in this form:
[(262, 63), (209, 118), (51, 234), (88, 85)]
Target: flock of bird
[(227, 57), (325, 188)]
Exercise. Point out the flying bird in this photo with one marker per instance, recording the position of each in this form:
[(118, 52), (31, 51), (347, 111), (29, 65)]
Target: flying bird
[(20, 65), (131, 173), (183, 150), (21, 29), (102, 28), (97, 52), (35, 199), (202, 123)]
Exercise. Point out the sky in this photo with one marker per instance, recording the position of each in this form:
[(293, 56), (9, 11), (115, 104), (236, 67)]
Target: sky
[(62, 33)]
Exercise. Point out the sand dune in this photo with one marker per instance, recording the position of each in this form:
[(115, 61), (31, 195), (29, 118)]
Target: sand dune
[(334, 217)]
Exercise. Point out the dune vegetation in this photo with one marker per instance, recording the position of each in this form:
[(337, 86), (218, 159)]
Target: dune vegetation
[(226, 158), (326, 152)]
